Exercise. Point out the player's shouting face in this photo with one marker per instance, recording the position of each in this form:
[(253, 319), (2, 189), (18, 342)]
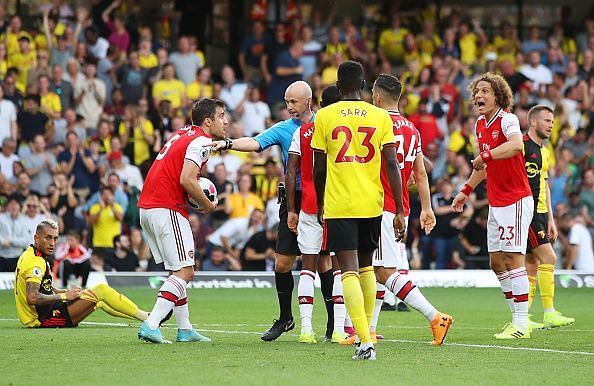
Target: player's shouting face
[(484, 97)]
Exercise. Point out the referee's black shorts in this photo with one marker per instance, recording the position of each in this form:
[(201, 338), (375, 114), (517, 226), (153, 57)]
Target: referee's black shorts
[(538, 231), (286, 241), (352, 234)]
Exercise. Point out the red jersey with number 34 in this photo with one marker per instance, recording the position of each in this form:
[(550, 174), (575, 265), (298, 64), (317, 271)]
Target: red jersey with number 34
[(162, 188), (507, 181), (408, 145)]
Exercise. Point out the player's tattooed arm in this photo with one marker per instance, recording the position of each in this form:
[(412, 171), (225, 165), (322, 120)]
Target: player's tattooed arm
[(36, 298)]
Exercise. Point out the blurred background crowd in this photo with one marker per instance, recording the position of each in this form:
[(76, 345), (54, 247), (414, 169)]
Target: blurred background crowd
[(91, 90)]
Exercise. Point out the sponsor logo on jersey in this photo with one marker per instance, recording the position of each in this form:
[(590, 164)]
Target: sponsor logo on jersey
[(532, 169)]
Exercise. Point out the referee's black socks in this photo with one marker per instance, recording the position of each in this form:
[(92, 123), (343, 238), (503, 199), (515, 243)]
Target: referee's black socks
[(284, 290), (326, 282)]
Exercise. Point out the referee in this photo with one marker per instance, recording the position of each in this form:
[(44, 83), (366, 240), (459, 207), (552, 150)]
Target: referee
[(298, 98)]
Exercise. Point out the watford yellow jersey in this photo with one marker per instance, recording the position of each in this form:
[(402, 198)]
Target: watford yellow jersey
[(31, 268), (352, 133)]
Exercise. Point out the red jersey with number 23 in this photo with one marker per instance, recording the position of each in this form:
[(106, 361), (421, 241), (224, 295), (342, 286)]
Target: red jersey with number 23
[(408, 145), (507, 182), (301, 145), (162, 188)]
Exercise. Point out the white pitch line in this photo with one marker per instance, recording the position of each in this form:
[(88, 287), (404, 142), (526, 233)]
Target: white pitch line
[(497, 347), (535, 349)]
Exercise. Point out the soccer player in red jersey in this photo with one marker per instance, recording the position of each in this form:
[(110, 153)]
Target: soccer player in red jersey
[(511, 204), (164, 214), (309, 233), (390, 262)]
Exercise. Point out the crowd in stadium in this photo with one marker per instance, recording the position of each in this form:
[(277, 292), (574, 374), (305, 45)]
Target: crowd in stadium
[(87, 102)]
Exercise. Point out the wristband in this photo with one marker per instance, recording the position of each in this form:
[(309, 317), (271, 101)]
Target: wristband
[(228, 144), (62, 296), (486, 156), (467, 189)]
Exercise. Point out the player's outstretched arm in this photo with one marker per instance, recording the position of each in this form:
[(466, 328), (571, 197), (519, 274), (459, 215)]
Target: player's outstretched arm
[(476, 178), (189, 181), (427, 216), (245, 144), (293, 163), (320, 160)]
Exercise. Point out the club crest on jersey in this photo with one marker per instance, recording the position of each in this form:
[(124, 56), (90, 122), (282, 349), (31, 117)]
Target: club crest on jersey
[(495, 134)]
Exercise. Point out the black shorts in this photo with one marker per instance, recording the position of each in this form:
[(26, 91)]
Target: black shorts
[(286, 241), (57, 316), (352, 234), (538, 232)]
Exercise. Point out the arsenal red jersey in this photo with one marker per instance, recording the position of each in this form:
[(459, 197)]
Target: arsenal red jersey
[(507, 182), (408, 145), (301, 145), (162, 188)]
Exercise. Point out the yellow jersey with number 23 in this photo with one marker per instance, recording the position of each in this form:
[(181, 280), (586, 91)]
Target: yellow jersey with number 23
[(352, 133)]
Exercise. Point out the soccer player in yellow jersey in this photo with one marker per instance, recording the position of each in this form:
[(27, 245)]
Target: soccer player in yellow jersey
[(540, 259), (350, 139), (39, 304)]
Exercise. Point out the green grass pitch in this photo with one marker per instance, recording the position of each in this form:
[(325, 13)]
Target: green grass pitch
[(106, 351)]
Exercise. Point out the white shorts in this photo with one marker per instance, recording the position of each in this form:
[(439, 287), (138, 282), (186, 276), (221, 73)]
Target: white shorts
[(169, 236), (390, 253), (309, 234), (507, 226)]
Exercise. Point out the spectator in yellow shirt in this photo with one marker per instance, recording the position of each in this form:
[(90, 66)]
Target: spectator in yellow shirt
[(24, 59), (146, 58), (391, 42), (242, 203), (169, 88), (106, 219), (428, 41), (201, 87), (137, 135), (50, 101), (334, 45), (468, 44)]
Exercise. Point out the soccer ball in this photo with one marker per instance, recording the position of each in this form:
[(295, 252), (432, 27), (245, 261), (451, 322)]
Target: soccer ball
[(209, 190)]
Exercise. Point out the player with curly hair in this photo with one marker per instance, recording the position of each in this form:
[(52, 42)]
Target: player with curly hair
[(501, 162)]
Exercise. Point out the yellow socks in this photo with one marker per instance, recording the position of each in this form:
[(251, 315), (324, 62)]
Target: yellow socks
[(369, 288), (111, 311), (355, 304), (531, 289), (546, 285), (114, 301)]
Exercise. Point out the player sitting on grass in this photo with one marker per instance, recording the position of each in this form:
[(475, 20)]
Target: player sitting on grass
[(39, 304)]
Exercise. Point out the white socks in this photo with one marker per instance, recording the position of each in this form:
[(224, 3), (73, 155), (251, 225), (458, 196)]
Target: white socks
[(506, 288), (519, 288), (379, 300), (169, 294), (408, 292), (305, 294), (339, 307)]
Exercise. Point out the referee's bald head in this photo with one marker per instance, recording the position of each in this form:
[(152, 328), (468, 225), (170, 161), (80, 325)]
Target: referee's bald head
[(299, 89)]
